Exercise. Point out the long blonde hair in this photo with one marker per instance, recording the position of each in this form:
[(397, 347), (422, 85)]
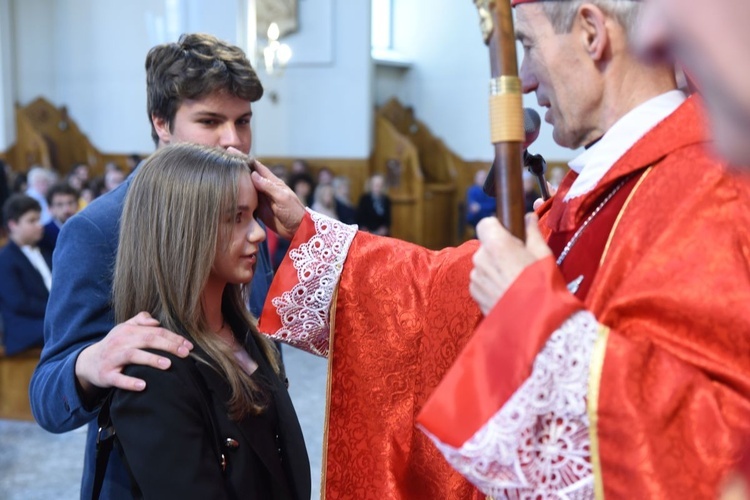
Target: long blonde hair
[(169, 232)]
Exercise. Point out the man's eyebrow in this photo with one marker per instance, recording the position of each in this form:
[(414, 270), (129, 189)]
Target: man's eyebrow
[(210, 114), (220, 116)]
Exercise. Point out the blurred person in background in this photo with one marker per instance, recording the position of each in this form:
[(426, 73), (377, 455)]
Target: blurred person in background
[(341, 191), (63, 204), (325, 202), (374, 208), (113, 178), (39, 180), (26, 275), (325, 176), (478, 204)]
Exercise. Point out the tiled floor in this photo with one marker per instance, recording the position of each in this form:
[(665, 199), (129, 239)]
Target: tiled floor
[(37, 465)]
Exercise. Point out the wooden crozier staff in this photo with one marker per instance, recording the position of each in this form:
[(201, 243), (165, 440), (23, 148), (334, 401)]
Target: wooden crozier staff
[(506, 112)]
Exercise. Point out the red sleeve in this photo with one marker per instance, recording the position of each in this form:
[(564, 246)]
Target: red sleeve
[(499, 356)]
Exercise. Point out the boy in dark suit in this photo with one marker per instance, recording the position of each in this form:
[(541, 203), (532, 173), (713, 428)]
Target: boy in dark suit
[(27, 275)]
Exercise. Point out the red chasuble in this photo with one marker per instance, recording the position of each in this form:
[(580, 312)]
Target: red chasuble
[(663, 301), (641, 390)]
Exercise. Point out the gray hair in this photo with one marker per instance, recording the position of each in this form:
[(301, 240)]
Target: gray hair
[(561, 13), (39, 174)]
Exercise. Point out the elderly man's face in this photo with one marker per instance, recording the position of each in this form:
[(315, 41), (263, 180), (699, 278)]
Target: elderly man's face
[(555, 68), (712, 41)]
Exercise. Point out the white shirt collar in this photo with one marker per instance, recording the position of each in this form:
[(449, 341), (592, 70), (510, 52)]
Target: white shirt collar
[(595, 162)]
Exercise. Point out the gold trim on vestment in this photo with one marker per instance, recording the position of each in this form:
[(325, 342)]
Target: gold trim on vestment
[(622, 211), (597, 362), (332, 328), (595, 378)]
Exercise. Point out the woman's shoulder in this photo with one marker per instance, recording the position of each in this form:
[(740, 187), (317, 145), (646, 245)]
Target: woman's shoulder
[(175, 386), (178, 368)]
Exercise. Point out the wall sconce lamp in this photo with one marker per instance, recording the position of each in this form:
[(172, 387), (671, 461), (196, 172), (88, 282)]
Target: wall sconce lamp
[(276, 55)]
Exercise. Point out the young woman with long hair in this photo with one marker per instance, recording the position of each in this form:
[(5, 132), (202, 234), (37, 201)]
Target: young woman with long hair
[(218, 424)]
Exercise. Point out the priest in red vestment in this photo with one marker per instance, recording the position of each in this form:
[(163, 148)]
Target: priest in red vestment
[(639, 232), (637, 385)]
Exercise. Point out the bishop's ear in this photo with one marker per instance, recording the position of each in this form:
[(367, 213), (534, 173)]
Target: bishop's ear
[(593, 25)]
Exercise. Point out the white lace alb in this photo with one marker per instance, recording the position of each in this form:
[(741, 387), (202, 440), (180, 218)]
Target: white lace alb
[(304, 310), (537, 445)]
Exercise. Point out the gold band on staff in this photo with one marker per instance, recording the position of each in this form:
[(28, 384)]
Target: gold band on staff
[(505, 85), (506, 110)]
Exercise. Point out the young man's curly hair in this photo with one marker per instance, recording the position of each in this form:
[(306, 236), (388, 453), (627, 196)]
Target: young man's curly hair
[(194, 67)]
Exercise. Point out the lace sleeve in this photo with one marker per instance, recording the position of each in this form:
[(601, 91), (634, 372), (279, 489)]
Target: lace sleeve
[(304, 308), (538, 445)]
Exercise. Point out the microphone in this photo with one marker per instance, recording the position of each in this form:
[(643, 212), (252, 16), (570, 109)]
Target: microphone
[(537, 166), (532, 122), (535, 163)]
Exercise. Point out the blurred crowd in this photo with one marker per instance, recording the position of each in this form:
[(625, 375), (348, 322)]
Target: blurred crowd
[(330, 195), (35, 205)]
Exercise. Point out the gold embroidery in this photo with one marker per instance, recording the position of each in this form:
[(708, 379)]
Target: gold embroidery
[(622, 211), (332, 327), (597, 362), (595, 379)]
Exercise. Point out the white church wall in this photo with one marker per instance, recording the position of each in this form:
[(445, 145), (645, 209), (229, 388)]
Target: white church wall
[(324, 98), (89, 55), (7, 83)]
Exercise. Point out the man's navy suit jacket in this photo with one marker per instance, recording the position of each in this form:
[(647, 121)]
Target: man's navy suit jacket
[(51, 232), (23, 299)]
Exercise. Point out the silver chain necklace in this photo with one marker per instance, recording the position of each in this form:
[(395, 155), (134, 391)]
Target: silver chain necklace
[(578, 233)]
